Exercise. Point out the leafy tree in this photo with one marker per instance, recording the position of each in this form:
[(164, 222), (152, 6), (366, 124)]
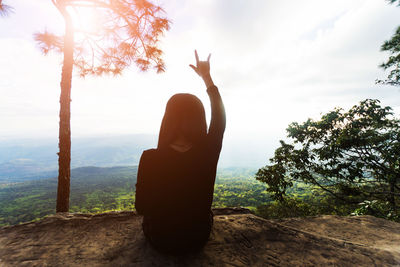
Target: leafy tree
[(393, 63), (5, 9), (394, 1), (353, 155), (129, 33)]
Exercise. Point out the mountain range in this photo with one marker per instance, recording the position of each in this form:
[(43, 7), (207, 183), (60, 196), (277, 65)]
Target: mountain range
[(30, 158)]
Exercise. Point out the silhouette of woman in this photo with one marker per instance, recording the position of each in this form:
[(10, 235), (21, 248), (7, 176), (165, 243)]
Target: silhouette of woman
[(175, 182)]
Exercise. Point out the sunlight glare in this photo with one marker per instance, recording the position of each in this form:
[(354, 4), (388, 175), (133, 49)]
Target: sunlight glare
[(85, 19)]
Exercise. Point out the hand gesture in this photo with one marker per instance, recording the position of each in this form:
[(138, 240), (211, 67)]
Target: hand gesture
[(202, 67)]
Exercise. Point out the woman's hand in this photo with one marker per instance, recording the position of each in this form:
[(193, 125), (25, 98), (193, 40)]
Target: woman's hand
[(202, 68)]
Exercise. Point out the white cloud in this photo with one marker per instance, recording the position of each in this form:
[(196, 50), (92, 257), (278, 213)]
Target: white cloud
[(274, 61)]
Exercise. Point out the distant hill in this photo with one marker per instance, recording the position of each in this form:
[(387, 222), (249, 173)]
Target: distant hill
[(29, 159), (23, 169)]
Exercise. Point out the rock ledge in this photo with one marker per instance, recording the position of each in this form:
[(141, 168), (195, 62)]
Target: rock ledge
[(239, 238)]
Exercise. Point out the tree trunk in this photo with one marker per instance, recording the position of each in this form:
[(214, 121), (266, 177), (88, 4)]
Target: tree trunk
[(64, 156), (392, 191), (392, 199)]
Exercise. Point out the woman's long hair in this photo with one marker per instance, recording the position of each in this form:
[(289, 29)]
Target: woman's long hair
[(184, 115)]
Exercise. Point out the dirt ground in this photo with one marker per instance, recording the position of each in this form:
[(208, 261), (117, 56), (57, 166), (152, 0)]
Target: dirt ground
[(237, 239)]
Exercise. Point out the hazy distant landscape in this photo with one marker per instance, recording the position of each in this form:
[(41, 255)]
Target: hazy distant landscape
[(27, 159), (103, 176)]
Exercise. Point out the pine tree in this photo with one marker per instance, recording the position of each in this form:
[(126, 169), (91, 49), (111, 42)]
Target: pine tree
[(5, 10), (129, 33)]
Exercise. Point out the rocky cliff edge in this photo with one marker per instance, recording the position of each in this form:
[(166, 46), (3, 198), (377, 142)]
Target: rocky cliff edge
[(238, 238)]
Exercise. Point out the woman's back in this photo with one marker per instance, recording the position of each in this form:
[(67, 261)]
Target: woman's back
[(177, 182)]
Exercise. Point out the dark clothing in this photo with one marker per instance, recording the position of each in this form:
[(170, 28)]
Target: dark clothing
[(174, 190), (178, 238)]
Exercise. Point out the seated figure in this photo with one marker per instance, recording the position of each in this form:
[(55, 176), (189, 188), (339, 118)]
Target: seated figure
[(175, 181)]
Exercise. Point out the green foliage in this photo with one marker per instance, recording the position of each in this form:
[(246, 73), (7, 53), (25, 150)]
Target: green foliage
[(239, 192), (92, 190), (304, 200), (393, 63), (236, 187), (353, 156), (394, 1), (288, 207), (95, 190), (378, 209)]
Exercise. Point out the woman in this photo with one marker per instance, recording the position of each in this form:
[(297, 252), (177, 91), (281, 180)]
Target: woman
[(175, 182)]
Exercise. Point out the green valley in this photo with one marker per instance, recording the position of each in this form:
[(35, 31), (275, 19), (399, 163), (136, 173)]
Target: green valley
[(95, 189)]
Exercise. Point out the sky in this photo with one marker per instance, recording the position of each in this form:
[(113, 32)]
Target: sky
[(274, 61)]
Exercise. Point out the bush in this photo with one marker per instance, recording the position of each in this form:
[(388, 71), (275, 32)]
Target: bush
[(289, 207), (378, 209)]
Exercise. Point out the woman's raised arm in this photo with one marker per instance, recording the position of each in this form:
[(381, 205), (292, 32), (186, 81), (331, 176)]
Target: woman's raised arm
[(218, 119)]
